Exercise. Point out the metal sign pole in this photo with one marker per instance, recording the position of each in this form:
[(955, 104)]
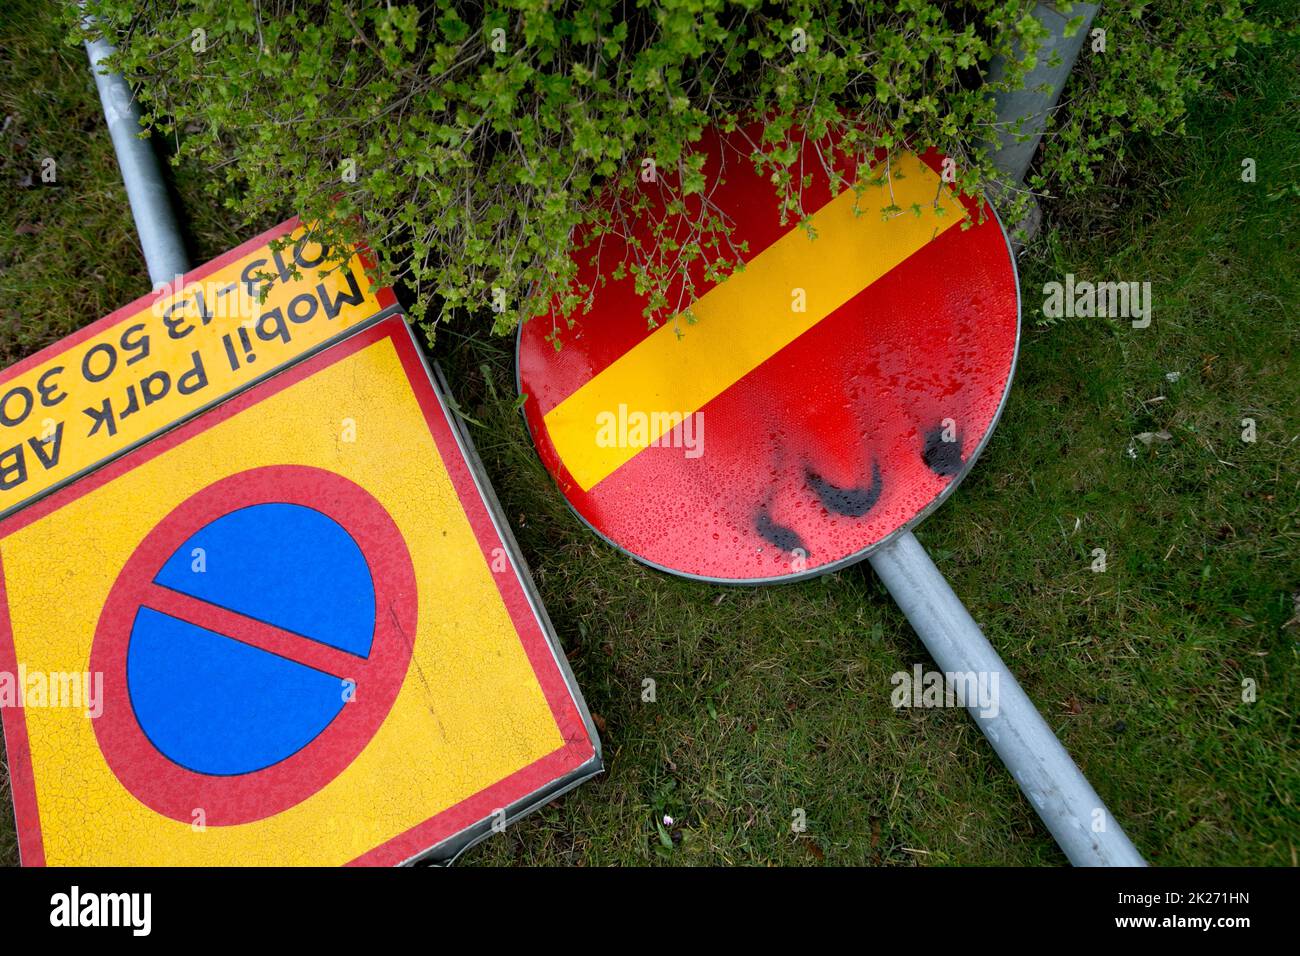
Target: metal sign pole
[(1058, 790), (1061, 795), (155, 222), (1023, 113), (1056, 787)]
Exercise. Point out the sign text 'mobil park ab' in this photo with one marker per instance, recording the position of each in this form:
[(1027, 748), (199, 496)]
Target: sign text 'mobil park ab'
[(126, 377)]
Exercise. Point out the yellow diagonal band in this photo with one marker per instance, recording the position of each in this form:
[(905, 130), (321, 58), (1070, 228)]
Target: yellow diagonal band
[(751, 316)]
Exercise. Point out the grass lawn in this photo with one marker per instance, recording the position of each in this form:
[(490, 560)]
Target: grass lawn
[(778, 699)]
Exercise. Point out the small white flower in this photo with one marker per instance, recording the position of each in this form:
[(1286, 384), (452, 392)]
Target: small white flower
[(668, 821)]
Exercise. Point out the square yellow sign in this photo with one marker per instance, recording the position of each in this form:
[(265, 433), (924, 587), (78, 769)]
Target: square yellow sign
[(290, 631)]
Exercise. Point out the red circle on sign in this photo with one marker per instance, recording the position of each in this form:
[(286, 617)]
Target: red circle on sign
[(177, 792), (825, 446)]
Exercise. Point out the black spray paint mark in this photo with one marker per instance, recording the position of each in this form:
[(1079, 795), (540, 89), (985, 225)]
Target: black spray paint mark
[(942, 457), (787, 539), (854, 502)]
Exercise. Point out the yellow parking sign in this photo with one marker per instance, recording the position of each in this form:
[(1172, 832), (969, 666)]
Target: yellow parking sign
[(300, 633)]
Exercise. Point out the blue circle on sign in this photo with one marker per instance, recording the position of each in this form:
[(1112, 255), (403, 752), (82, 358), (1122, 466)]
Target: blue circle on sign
[(223, 706)]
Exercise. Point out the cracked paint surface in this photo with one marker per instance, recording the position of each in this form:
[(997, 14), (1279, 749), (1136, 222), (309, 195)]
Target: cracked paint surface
[(482, 715)]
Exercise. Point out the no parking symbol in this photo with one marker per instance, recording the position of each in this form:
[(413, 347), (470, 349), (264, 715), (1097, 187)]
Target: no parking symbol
[(245, 658)]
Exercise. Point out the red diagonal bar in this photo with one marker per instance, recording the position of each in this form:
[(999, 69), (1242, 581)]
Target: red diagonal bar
[(255, 633)]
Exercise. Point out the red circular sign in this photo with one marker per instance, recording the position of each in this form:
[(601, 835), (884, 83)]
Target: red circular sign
[(816, 449), (233, 632)]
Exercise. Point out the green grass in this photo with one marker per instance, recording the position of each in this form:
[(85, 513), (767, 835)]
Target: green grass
[(774, 699)]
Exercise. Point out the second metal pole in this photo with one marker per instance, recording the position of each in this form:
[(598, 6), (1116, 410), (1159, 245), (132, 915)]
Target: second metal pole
[(155, 223), (1055, 786)]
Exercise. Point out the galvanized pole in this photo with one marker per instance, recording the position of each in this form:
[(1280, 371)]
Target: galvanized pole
[(1022, 114), (1056, 788), (160, 237)]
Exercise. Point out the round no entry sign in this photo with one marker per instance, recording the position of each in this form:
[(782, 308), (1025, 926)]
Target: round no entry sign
[(829, 394), (253, 644)]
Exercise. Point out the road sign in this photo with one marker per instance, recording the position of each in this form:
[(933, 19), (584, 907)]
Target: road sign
[(229, 673), (313, 639), (810, 405), (166, 356)]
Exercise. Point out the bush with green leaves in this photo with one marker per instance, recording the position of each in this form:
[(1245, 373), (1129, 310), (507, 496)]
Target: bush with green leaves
[(466, 142)]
